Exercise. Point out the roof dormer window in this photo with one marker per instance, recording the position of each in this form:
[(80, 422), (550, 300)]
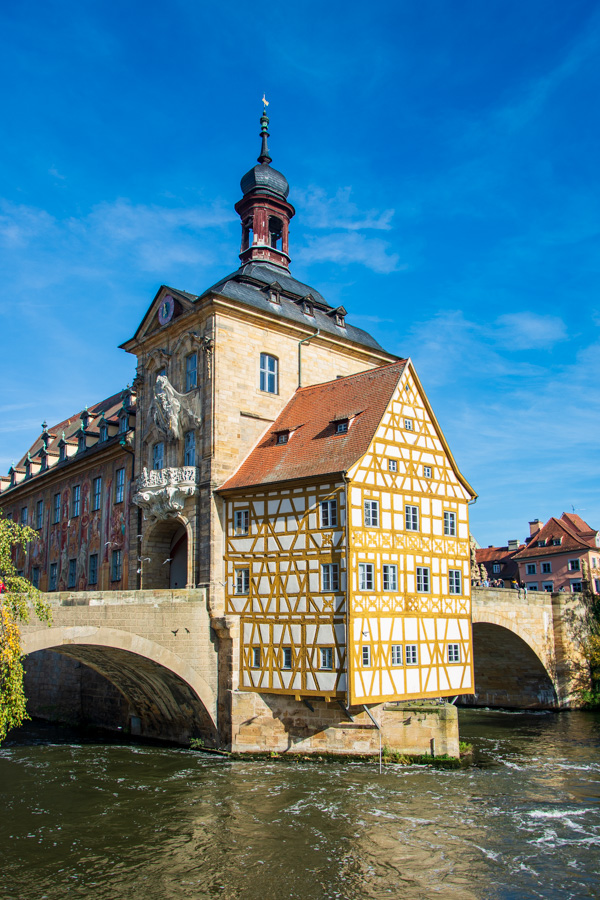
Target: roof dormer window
[(339, 316), (283, 437), (104, 432), (308, 307), (123, 424), (341, 427), (43, 461), (81, 445), (274, 293), (541, 543), (556, 542), (62, 451), (85, 417), (28, 469)]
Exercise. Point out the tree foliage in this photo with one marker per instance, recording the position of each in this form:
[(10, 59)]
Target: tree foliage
[(18, 598)]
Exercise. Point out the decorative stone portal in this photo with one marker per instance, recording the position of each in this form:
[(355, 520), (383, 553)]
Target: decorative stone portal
[(507, 672), (165, 559), (115, 689)]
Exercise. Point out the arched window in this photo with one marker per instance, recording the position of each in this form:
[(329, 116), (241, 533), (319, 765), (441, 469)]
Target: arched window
[(275, 231)]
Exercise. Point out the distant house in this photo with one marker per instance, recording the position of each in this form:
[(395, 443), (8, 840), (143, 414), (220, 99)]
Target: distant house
[(557, 555), (499, 562)]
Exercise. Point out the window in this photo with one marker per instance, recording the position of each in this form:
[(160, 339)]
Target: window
[(411, 515), (392, 465), (116, 571), (531, 586), (62, 452), (556, 542), (241, 521), (256, 657), (576, 587), (372, 513), (81, 445), (56, 510), (412, 654), (158, 455), (119, 485), (328, 513), (104, 432), (330, 577), (75, 501), (546, 567), (454, 581), (530, 568), (189, 454), (574, 565), (286, 658), (390, 578), (396, 654), (541, 543), (450, 523), (341, 427), (93, 569), (72, 580), (366, 656), (327, 657), (269, 373), (24, 515), (35, 576), (408, 424), (453, 653), (123, 424), (97, 493), (53, 576), (496, 568), (365, 576), (242, 581), (191, 371), (597, 585), (423, 579), (426, 471), (39, 514), (283, 437), (548, 586)]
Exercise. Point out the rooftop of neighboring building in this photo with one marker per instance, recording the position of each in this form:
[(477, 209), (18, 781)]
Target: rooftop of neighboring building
[(568, 534)]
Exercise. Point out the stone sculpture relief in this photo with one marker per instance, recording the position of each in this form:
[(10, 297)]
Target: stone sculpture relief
[(172, 412), (162, 493)]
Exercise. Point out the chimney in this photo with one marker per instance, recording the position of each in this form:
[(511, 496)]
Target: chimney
[(534, 527), (513, 545)]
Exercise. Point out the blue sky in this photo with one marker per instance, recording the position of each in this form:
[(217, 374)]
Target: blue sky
[(443, 162)]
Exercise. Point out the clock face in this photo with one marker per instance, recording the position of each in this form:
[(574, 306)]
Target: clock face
[(166, 309)]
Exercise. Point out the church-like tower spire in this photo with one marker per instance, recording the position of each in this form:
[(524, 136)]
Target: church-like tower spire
[(264, 209)]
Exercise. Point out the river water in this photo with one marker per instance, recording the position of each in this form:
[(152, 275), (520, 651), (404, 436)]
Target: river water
[(116, 821)]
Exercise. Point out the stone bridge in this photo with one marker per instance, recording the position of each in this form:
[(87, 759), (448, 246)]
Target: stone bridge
[(144, 659), (523, 648)]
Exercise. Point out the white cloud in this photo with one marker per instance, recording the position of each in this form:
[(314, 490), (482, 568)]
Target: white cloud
[(346, 248), (529, 331), (339, 212)]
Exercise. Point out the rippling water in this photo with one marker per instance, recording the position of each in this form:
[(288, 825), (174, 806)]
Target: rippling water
[(137, 822)]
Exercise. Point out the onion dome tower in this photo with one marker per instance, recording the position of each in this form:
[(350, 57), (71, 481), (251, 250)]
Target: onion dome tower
[(264, 210)]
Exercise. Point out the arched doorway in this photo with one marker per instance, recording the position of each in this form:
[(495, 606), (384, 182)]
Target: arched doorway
[(508, 673), (165, 557)]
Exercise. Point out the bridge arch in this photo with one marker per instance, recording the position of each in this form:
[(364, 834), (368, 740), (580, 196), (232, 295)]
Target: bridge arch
[(168, 697), (510, 666)]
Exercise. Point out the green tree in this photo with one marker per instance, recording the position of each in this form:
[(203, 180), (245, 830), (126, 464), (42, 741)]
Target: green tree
[(18, 598), (583, 622)]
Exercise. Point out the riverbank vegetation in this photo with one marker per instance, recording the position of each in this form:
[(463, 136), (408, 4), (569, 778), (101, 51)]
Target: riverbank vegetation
[(17, 598)]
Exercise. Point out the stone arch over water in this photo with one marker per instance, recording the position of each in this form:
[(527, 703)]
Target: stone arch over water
[(509, 672), (163, 696)]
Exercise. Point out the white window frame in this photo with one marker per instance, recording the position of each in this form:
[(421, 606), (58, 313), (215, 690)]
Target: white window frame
[(390, 577), (423, 580), (119, 485), (574, 565), (242, 581), (342, 427), (427, 471), (286, 658), (397, 655), (366, 576), (392, 465), (76, 501), (326, 658), (454, 581), (496, 568), (411, 517), (256, 658), (329, 517), (269, 373), (454, 654), (330, 578), (241, 522), (371, 508), (96, 493), (408, 425), (366, 655), (449, 523), (411, 654)]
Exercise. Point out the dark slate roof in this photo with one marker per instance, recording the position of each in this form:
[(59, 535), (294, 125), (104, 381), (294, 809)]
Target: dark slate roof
[(264, 178), (247, 285)]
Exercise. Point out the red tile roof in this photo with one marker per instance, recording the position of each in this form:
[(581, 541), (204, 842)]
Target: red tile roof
[(314, 448), (576, 536)]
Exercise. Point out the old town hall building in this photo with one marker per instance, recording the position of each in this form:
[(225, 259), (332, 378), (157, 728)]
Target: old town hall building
[(273, 453)]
